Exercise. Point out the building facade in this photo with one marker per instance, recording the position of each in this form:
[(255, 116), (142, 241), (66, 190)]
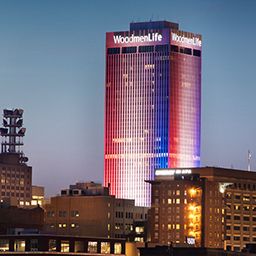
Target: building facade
[(204, 207), (38, 244), (37, 195), (16, 175), (152, 105), (88, 209), (16, 220)]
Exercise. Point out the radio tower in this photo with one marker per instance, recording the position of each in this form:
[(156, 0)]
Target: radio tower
[(12, 133)]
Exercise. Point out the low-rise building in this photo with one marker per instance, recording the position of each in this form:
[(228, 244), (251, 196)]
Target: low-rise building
[(39, 244), (88, 209)]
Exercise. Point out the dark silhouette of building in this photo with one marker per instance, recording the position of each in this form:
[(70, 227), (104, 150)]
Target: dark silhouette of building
[(14, 220)]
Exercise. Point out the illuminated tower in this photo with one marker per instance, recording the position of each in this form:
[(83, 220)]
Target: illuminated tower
[(152, 105)]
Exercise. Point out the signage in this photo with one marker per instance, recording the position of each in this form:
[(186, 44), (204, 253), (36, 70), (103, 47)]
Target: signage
[(171, 172), (183, 39), (150, 37)]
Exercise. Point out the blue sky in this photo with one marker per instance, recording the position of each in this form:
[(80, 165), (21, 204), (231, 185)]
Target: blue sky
[(52, 65)]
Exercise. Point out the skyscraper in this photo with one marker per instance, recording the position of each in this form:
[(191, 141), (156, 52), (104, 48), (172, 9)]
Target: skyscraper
[(152, 105)]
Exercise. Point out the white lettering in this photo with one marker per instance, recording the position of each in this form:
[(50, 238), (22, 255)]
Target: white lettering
[(171, 172), (150, 37), (182, 39)]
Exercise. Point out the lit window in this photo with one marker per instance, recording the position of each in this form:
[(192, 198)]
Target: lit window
[(64, 246), (177, 201), (33, 202), (178, 226), (92, 247), (105, 247), (52, 245), (19, 245), (4, 245)]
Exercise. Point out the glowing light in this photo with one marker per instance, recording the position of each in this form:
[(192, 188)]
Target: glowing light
[(143, 130)]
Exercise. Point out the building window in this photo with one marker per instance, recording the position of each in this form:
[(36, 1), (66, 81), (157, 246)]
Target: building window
[(33, 245), (92, 247), (74, 213), (19, 245), (117, 248), (139, 230), (62, 213), (52, 245), (146, 48), (50, 214), (105, 247), (4, 245), (246, 228), (64, 246), (197, 53), (79, 246), (129, 49), (113, 50), (236, 217), (246, 218)]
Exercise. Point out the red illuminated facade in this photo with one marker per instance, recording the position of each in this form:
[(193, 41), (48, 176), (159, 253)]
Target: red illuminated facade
[(152, 105)]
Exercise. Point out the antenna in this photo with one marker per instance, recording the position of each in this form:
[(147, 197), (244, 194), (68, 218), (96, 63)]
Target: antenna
[(249, 160), (12, 133)]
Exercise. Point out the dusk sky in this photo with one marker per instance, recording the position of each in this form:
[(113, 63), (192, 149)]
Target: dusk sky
[(52, 64)]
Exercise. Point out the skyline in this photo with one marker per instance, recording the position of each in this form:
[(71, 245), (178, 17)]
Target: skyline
[(52, 52)]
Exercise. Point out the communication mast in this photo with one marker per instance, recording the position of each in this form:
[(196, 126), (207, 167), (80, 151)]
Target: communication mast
[(12, 133)]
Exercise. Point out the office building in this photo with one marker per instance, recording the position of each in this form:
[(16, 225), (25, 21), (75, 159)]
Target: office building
[(152, 105), (16, 175), (87, 209), (204, 207)]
